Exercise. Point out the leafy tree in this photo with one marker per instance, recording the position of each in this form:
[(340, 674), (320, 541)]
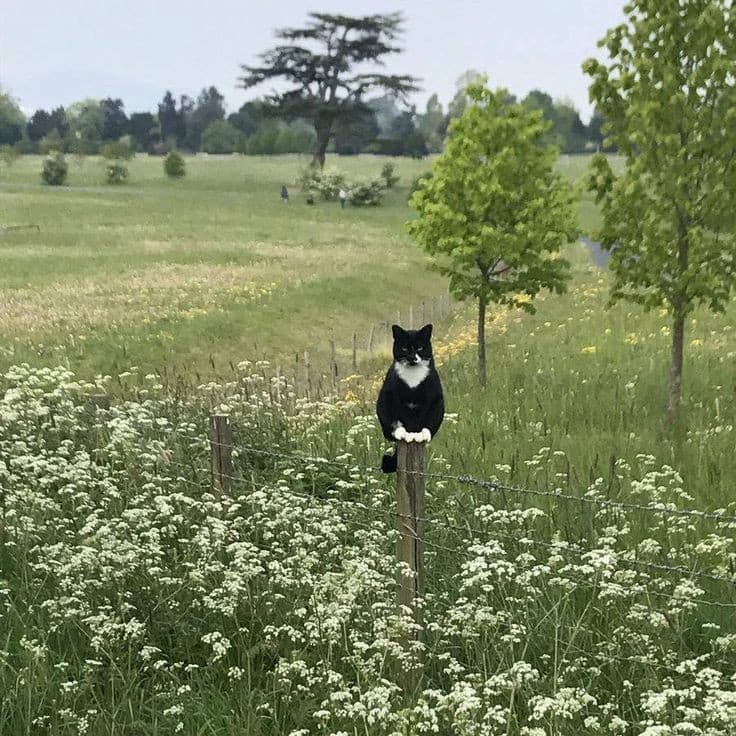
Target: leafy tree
[(220, 137), (669, 100), (168, 117), (460, 101), (385, 110), (144, 130), (86, 119), (186, 108), (597, 133), (319, 62), (12, 120), (210, 108), (355, 132), (407, 138), (494, 214), (568, 128), (250, 115), (39, 125), (431, 124), (263, 141), (114, 119), (60, 122)]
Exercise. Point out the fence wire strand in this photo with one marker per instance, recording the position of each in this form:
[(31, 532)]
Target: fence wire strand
[(500, 487), (575, 550)]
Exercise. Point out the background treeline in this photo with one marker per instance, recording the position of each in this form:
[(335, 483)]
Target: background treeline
[(382, 126)]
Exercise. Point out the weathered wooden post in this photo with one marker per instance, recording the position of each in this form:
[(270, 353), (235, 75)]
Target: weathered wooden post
[(333, 365), (410, 525), (307, 377), (221, 443)]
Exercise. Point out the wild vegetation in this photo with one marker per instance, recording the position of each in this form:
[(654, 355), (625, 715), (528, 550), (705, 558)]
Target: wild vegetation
[(134, 599), (579, 541)]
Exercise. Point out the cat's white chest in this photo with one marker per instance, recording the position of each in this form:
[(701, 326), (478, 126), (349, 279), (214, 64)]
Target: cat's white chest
[(412, 375)]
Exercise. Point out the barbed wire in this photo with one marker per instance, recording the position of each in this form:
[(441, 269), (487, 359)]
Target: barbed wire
[(501, 487), (565, 548)]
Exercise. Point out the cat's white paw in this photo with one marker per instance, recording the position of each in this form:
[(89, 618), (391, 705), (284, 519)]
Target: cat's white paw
[(400, 433), (410, 437), (425, 435)]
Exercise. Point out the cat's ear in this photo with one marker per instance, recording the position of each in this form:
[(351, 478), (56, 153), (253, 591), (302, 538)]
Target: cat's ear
[(426, 332), (397, 332)]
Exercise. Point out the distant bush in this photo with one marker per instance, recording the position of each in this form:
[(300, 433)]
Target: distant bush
[(325, 182), (366, 193), (55, 169), (9, 155), (117, 150), (390, 179), (174, 165), (116, 173)]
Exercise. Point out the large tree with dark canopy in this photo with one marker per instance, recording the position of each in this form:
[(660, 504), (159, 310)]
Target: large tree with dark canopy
[(324, 66)]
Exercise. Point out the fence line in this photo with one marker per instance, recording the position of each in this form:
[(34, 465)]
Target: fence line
[(563, 548), (500, 487)]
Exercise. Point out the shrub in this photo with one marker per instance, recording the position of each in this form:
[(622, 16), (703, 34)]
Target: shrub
[(117, 150), (366, 193), (116, 173), (9, 155), (327, 182), (174, 165), (388, 176), (54, 169)]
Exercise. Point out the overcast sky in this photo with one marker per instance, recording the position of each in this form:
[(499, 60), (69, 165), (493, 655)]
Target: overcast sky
[(55, 52)]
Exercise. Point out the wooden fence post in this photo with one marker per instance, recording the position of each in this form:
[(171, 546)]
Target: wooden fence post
[(333, 364), (307, 377), (410, 545), (221, 442), (410, 525)]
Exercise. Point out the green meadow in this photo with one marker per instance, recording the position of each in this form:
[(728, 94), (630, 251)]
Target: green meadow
[(135, 599), (200, 273)]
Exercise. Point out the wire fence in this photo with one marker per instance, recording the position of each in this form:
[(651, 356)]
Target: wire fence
[(493, 485), (470, 536)]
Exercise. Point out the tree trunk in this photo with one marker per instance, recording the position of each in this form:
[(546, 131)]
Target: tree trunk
[(678, 344), (482, 340), (320, 147), (679, 303)]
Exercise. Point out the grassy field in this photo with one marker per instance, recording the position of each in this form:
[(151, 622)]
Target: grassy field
[(135, 601), (201, 272)]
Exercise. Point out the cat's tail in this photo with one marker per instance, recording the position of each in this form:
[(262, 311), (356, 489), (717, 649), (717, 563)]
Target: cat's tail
[(388, 463)]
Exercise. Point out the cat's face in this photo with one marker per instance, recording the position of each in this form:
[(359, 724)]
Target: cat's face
[(412, 347)]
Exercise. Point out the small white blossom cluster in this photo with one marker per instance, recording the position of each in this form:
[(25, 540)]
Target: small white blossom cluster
[(134, 598)]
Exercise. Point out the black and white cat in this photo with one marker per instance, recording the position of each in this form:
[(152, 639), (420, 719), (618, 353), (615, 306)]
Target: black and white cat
[(410, 404)]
